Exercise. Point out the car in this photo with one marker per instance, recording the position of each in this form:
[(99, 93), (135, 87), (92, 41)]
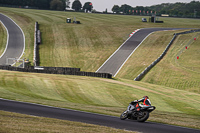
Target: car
[(144, 20)]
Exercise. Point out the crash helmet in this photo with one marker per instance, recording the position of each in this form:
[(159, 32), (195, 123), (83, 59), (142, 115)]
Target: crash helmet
[(146, 97)]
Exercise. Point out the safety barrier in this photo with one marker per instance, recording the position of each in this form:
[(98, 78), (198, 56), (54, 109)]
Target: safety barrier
[(141, 75), (57, 70), (35, 51), (37, 41)]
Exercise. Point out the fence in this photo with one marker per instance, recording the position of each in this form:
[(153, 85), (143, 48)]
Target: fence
[(140, 76)]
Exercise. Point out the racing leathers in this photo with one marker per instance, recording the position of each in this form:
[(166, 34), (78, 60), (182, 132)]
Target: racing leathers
[(134, 105)]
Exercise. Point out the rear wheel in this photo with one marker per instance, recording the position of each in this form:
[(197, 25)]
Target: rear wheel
[(143, 116), (124, 115)]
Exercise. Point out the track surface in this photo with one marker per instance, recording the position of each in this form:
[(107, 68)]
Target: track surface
[(65, 114), (116, 61), (15, 42)]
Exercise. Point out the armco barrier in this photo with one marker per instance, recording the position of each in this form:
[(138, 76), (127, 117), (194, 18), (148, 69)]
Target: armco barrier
[(57, 70), (140, 76)]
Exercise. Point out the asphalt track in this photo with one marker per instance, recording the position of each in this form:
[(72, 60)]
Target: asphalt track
[(15, 41), (115, 62), (65, 114)]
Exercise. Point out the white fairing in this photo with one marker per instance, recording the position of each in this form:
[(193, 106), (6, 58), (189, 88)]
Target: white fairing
[(130, 107)]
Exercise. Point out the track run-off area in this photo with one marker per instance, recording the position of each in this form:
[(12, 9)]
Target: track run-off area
[(14, 49)]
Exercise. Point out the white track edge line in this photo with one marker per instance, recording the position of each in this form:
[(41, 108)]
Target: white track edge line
[(7, 39), (132, 53), (22, 34), (115, 51)]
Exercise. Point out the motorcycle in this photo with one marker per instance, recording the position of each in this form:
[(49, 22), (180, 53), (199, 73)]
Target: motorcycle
[(141, 116)]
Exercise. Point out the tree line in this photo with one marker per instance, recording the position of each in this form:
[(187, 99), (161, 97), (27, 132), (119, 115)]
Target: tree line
[(178, 9), (48, 4), (41, 4)]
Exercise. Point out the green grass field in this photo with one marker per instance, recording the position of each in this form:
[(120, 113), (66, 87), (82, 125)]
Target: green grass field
[(174, 91), (12, 122), (183, 73)]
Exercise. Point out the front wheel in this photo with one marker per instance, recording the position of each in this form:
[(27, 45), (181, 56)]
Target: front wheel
[(124, 115), (143, 116)]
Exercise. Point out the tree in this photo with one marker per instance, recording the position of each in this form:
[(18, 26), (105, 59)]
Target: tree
[(76, 5), (115, 9), (125, 8), (43, 4), (57, 5), (88, 6)]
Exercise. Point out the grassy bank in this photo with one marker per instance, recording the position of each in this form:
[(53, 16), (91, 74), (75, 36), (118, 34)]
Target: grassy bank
[(182, 73), (98, 95), (18, 123)]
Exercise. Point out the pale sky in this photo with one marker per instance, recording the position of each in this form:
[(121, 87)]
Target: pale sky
[(101, 5)]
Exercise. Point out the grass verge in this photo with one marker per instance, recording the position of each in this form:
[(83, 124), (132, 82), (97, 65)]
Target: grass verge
[(105, 96), (19, 123), (3, 36)]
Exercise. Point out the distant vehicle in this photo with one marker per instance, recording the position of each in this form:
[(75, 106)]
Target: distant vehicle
[(144, 20)]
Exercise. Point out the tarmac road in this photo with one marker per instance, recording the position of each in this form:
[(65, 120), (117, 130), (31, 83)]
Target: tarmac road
[(65, 114), (121, 55), (15, 41)]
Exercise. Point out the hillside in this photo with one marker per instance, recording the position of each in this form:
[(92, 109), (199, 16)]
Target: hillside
[(80, 46), (87, 46), (180, 74), (99, 95)]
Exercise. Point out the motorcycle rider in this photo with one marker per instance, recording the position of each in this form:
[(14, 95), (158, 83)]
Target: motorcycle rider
[(146, 102), (134, 105)]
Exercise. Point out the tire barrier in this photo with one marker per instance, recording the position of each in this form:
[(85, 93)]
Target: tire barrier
[(37, 41), (140, 76), (35, 51), (38, 37), (57, 70)]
